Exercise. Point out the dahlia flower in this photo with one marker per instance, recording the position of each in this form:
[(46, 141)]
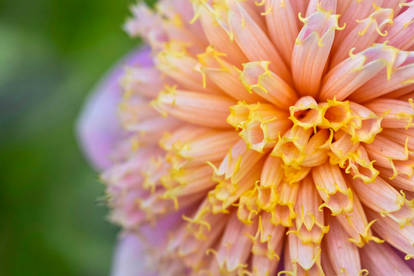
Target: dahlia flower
[(273, 136)]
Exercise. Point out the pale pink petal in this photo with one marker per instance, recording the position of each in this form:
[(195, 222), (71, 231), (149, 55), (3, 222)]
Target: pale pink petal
[(98, 127), (129, 258)]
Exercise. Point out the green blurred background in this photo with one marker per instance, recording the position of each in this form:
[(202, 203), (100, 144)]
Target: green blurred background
[(52, 52)]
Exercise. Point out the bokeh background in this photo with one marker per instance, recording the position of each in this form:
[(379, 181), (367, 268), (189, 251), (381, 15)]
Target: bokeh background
[(52, 53)]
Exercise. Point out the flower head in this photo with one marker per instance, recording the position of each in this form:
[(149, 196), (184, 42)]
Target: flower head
[(274, 127)]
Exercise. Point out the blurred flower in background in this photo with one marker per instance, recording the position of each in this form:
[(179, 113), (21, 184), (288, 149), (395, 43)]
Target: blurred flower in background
[(52, 53), (258, 134)]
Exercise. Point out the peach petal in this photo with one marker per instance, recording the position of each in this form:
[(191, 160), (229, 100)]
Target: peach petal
[(395, 113), (401, 76), (212, 146), (310, 223), (197, 108), (350, 12), (342, 149), (365, 124), (343, 254), (400, 181), (227, 192), (400, 136), (400, 34), (355, 223), (263, 127), (145, 81), (305, 255), (327, 5), (282, 24), (267, 246), (257, 78), (403, 93), (186, 181), (335, 114), (361, 167), (364, 34), (284, 213), (239, 156), (217, 37), (380, 259), (326, 262), (291, 147), (177, 30), (349, 75), (385, 152), (379, 195), (177, 63), (253, 41), (236, 244), (272, 172), (399, 237), (224, 74), (333, 188)]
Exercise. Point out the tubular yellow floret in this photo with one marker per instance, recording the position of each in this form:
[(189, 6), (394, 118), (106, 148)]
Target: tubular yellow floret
[(335, 114), (306, 113), (291, 147)]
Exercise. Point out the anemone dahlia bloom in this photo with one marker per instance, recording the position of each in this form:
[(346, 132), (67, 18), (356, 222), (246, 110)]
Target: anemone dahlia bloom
[(281, 131)]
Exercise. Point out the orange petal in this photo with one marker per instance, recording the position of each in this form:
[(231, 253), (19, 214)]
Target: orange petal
[(333, 188), (401, 76), (197, 108), (379, 195), (234, 249), (355, 223), (309, 220), (311, 51), (223, 74), (346, 77), (218, 37), (396, 113), (257, 78), (253, 41), (401, 238), (282, 24)]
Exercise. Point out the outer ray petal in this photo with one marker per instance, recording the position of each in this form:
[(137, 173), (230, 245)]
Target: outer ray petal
[(311, 51), (342, 80), (400, 35), (381, 260), (343, 254), (282, 23), (253, 41), (200, 109)]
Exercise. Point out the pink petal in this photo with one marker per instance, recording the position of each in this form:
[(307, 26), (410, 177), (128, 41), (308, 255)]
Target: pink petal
[(97, 128), (131, 257), (127, 260)]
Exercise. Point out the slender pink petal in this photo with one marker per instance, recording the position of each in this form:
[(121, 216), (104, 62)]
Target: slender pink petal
[(379, 259), (400, 34), (401, 76), (363, 35), (352, 73), (253, 41)]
